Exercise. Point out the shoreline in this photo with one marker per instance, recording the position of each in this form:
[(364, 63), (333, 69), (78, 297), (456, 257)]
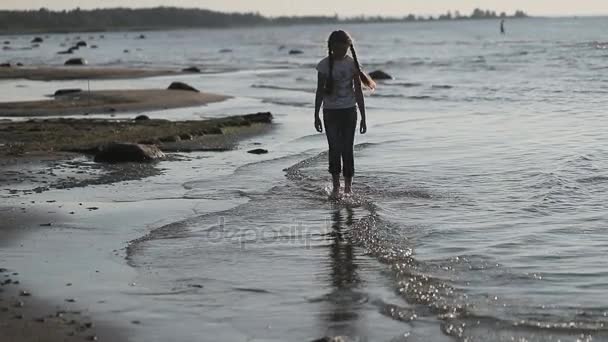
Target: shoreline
[(63, 73)]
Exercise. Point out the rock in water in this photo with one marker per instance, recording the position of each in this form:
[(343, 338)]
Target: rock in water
[(296, 52), (380, 75), (181, 86), (76, 61), (37, 40), (258, 151), (67, 91), (191, 69), (128, 152)]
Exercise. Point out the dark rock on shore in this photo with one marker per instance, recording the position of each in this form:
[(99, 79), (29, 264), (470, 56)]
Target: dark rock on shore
[(82, 43), (295, 52), (182, 86), (170, 139), (258, 151), (5, 65), (76, 61), (128, 152), (142, 117), (191, 69), (380, 75), (37, 40), (67, 91), (262, 117)]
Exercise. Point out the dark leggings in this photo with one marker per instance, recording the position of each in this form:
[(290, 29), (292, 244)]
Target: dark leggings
[(340, 125)]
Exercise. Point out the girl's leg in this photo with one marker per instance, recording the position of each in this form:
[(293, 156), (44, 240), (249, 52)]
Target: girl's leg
[(336, 182), (332, 131), (348, 127)]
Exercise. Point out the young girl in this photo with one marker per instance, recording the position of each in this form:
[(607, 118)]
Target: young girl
[(339, 91)]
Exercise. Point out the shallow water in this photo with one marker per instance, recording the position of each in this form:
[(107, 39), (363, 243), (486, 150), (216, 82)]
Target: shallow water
[(478, 214)]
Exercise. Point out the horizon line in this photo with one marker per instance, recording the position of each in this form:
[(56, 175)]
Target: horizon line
[(305, 15)]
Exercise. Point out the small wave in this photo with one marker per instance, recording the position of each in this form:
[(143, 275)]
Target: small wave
[(403, 84), (593, 179), (388, 95), (268, 86), (442, 86), (298, 104)]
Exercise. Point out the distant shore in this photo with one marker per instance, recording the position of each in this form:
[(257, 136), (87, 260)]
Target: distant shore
[(168, 18)]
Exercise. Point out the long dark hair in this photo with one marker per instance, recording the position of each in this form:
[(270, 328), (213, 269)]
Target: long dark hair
[(343, 37)]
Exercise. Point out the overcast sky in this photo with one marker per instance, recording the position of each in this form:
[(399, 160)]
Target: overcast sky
[(341, 7)]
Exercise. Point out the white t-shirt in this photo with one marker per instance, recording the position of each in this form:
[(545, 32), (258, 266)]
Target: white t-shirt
[(343, 94)]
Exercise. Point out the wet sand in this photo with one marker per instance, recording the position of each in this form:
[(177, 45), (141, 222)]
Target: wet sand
[(109, 101), (48, 73), (24, 316)]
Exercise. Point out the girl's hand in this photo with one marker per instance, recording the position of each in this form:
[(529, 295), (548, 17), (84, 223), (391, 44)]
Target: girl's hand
[(318, 125), (363, 127)]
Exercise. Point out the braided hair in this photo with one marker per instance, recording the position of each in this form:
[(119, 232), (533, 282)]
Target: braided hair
[(340, 36)]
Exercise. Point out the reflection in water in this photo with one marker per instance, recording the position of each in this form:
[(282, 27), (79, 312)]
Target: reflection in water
[(341, 317)]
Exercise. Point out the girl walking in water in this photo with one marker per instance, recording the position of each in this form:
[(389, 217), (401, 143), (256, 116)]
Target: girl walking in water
[(339, 83)]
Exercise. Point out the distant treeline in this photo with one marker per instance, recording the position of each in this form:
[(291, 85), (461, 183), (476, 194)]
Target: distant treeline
[(171, 17)]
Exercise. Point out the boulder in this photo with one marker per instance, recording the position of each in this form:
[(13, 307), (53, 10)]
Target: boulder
[(258, 151), (191, 69), (61, 92), (186, 136), (128, 152), (295, 52), (142, 118), (264, 117), (170, 139), (81, 43), (380, 75), (37, 40), (181, 86), (76, 61)]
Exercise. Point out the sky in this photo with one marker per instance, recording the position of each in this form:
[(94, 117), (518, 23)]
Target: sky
[(340, 7)]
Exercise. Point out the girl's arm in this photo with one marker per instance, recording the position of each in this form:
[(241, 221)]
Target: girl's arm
[(360, 103), (319, 101)]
